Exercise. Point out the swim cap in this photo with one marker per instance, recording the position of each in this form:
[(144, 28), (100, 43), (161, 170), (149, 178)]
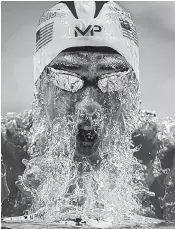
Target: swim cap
[(74, 24)]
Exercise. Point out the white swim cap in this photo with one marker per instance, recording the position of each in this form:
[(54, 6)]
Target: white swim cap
[(74, 24)]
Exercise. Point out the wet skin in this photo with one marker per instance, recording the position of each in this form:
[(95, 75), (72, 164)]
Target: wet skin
[(92, 108)]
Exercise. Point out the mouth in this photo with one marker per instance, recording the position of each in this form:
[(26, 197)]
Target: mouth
[(87, 139)]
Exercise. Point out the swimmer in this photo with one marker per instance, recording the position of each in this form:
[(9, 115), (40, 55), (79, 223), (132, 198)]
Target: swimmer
[(86, 53)]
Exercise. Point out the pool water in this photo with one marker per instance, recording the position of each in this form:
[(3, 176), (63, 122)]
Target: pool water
[(39, 225)]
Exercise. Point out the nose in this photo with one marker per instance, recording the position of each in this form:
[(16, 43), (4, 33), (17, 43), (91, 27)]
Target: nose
[(90, 112), (88, 108)]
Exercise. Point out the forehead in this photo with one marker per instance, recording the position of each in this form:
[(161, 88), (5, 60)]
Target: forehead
[(89, 58)]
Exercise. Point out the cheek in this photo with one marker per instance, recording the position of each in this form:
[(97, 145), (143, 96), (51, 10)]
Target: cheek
[(50, 106), (112, 107), (55, 102), (61, 104), (110, 102)]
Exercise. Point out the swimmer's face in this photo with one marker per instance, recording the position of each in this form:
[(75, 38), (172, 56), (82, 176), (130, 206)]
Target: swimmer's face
[(86, 87)]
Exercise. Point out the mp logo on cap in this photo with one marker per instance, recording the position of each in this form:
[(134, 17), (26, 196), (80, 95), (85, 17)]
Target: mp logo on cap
[(89, 31)]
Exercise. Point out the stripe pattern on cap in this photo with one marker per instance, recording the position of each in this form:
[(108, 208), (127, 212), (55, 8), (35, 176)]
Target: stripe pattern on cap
[(129, 31), (44, 36)]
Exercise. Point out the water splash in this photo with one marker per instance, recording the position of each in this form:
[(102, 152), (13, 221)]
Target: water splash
[(161, 132), (63, 188), (68, 188), (36, 181)]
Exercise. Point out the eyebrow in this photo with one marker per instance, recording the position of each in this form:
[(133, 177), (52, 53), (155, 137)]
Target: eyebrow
[(112, 67), (106, 67), (111, 64), (67, 62), (66, 66)]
